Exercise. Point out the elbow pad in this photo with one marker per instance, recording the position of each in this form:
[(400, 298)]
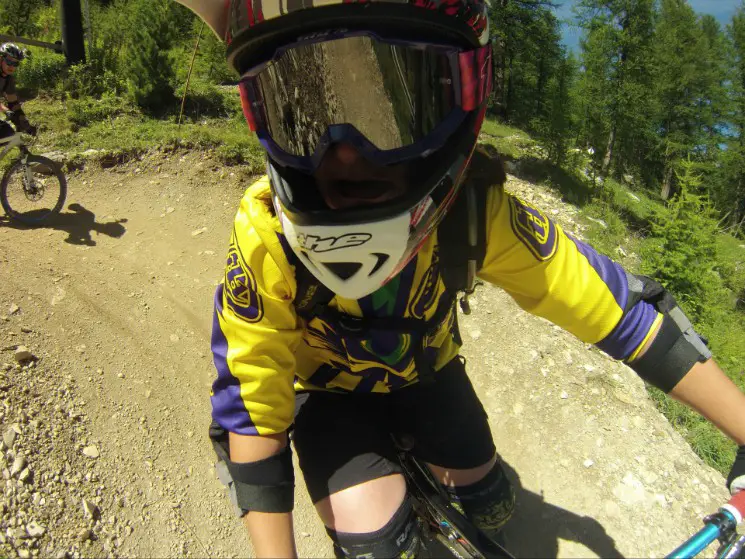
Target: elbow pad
[(677, 346), (264, 486)]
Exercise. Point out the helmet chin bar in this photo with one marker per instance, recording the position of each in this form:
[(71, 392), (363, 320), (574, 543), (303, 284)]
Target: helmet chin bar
[(351, 260)]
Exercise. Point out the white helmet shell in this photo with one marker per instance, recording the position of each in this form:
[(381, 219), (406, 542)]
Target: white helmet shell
[(352, 260)]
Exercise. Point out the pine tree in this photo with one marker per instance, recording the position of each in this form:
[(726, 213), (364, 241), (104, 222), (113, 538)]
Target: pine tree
[(687, 88), (729, 191), (147, 67), (526, 53), (617, 104), (687, 251)]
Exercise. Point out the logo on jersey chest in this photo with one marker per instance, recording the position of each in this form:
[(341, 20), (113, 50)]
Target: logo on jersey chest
[(241, 291)]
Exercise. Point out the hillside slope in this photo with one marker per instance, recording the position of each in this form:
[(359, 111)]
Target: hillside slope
[(114, 299)]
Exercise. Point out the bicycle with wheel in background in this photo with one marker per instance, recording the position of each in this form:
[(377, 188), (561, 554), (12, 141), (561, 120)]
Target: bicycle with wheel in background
[(33, 188)]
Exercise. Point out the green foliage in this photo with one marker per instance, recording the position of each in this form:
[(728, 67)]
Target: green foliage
[(146, 64), (88, 110), (686, 254), (688, 85), (37, 73), (205, 99), (555, 128), (614, 93), (16, 17)]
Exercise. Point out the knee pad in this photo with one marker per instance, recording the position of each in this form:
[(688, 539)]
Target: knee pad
[(488, 503), (399, 538)]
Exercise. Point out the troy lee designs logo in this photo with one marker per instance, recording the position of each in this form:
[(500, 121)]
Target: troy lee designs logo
[(314, 243)]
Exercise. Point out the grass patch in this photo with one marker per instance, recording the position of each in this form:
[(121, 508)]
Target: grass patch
[(117, 129), (499, 130)]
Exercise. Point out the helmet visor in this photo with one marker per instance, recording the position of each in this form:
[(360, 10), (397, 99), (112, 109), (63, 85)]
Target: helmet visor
[(391, 100)]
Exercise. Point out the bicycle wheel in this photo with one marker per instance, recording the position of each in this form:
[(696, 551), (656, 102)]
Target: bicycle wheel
[(33, 190)]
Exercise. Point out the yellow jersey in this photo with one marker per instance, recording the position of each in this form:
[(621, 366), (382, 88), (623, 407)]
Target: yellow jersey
[(263, 351)]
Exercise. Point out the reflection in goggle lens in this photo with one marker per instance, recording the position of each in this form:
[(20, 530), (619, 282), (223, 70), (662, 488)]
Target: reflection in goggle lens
[(394, 95)]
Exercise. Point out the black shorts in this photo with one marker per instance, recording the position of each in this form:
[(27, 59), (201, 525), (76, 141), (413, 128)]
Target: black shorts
[(343, 440)]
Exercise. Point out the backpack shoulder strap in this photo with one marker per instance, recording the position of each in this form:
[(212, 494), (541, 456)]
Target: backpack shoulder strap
[(312, 296), (461, 234)]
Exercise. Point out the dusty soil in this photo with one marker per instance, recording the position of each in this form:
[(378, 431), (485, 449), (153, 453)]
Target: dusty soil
[(104, 448)]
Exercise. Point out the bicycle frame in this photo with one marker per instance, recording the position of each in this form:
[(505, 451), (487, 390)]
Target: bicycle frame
[(424, 488), (13, 142)]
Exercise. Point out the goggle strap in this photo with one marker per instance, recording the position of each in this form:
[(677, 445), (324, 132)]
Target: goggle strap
[(475, 77)]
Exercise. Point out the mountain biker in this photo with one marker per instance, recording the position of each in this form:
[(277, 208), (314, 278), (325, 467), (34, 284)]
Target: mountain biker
[(369, 113), (11, 57)]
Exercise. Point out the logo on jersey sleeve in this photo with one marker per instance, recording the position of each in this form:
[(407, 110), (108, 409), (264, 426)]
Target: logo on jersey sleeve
[(533, 228), (241, 291)]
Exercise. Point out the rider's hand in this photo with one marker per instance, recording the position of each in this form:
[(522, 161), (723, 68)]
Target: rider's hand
[(736, 477), (31, 129)]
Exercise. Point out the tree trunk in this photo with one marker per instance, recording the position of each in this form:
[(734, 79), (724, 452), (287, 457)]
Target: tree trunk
[(500, 76), (667, 183), (609, 151), (510, 90)]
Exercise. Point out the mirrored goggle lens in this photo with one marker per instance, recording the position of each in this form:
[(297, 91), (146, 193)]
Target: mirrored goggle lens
[(394, 95)]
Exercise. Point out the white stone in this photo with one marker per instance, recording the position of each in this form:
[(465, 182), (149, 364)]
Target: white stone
[(35, 530), (91, 451)]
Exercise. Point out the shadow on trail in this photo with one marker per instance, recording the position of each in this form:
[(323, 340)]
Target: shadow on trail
[(78, 222), (536, 526)]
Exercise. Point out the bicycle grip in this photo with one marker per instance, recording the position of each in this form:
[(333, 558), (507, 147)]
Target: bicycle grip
[(736, 506)]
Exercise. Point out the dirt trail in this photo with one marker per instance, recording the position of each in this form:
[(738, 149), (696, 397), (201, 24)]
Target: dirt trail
[(115, 301)]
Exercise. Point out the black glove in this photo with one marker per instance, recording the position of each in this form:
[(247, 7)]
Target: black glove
[(31, 129), (736, 477)]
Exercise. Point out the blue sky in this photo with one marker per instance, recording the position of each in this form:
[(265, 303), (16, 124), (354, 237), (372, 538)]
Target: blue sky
[(721, 9)]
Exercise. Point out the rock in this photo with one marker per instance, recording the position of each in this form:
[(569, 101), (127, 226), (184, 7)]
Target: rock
[(35, 530), (13, 309), (630, 491), (91, 510), (9, 436), (85, 534), (198, 232), (24, 554), (24, 475), (22, 354), (588, 463), (91, 451), (564, 395), (18, 464)]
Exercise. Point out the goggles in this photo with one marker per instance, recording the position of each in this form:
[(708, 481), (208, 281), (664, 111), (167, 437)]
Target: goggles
[(11, 62), (391, 100)]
